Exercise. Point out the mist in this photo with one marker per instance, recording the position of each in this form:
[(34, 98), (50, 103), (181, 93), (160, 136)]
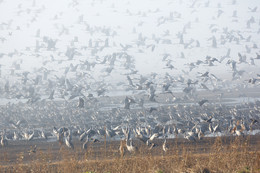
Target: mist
[(170, 67)]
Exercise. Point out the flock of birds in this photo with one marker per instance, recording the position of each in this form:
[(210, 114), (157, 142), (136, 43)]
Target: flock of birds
[(72, 89), (178, 121)]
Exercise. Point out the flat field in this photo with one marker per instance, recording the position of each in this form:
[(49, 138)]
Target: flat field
[(215, 154)]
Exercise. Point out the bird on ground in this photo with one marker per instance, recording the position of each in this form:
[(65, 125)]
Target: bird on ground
[(82, 136), (253, 121), (190, 137), (68, 141), (43, 135), (165, 146), (85, 144), (33, 150), (210, 127), (130, 147), (95, 140), (200, 134), (4, 142), (28, 136), (152, 145), (216, 129), (155, 135), (126, 133)]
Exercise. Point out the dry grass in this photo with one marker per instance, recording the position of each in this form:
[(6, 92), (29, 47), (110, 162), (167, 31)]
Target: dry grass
[(236, 156)]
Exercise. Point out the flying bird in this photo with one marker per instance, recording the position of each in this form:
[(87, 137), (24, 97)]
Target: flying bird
[(81, 103), (202, 102)]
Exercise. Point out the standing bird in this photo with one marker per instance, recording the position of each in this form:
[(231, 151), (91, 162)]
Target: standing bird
[(126, 132), (253, 122), (216, 129), (131, 148), (210, 127), (152, 137), (68, 141), (60, 138), (43, 135), (28, 136), (164, 146), (85, 144), (190, 137), (4, 142), (200, 134)]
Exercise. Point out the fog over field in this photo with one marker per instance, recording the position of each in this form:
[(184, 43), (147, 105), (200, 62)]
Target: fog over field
[(128, 69), (37, 34)]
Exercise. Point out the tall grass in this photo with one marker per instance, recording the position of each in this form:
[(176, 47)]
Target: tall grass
[(234, 156)]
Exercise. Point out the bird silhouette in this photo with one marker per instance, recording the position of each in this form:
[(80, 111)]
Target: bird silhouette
[(81, 103)]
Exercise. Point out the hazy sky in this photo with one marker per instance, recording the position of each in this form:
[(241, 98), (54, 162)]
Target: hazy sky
[(123, 22)]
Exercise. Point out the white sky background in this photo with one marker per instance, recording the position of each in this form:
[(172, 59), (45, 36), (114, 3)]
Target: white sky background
[(50, 16)]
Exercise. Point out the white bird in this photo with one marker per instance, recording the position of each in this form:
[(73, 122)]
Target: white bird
[(216, 129), (190, 138), (4, 142), (210, 127), (16, 136), (82, 136), (130, 147), (164, 146), (126, 132), (28, 136), (85, 144), (239, 133), (68, 142), (155, 135), (43, 135), (200, 135)]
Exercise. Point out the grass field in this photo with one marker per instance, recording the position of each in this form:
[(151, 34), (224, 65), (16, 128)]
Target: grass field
[(233, 154)]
